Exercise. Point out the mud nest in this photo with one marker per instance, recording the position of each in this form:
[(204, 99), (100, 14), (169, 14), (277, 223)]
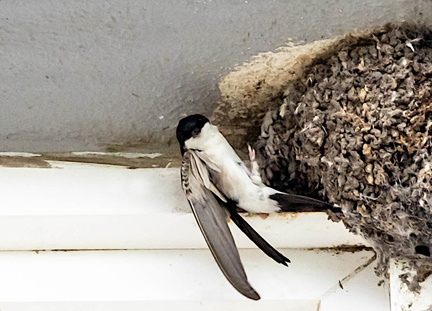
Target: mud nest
[(355, 129)]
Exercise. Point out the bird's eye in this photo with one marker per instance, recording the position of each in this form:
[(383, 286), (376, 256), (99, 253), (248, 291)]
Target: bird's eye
[(195, 132)]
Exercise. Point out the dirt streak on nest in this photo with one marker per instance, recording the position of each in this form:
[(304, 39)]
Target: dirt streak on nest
[(355, 129), (248, 92)]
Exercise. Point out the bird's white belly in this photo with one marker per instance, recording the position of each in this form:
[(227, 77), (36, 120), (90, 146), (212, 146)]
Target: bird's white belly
[(236, 184)]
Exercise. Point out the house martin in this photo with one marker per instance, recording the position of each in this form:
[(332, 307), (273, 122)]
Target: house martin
[(217, 183)]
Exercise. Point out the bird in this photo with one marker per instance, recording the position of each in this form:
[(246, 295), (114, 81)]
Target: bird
[(217, 183)]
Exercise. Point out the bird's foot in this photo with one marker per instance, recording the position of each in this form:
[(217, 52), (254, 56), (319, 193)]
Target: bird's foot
[(254, 167)]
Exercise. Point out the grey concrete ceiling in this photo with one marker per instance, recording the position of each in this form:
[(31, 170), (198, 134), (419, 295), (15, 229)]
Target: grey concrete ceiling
[(86, 75)]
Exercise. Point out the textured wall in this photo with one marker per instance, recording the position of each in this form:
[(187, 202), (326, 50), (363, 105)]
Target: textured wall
[(83, 75)]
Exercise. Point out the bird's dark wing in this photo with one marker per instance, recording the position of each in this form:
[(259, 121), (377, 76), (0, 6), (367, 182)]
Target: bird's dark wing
[(212, 220), (254, 236)]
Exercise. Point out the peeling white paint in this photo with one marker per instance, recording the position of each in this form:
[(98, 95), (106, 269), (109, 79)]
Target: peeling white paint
[(128, 155), (19, 154)]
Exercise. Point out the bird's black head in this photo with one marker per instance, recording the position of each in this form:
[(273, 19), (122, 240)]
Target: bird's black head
[(188, 127)]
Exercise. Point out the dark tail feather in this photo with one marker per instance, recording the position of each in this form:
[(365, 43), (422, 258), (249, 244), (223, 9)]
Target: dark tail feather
[(255, 237), (298, 203)]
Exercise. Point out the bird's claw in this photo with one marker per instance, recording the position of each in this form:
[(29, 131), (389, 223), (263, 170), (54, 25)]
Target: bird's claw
[(254, 167), (251, 153)]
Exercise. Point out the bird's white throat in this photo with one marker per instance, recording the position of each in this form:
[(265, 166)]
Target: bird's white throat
[(207, 138)]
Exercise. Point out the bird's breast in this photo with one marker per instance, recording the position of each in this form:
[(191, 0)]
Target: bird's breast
[(236, 184)]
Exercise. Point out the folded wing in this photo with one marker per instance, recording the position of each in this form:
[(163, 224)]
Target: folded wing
[(212, 220)]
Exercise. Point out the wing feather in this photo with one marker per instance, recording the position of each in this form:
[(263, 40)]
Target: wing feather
[(200, 171), (212, 220)]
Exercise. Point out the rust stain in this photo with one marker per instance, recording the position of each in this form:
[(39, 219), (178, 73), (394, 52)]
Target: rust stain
[(287, 216), (290, 216), (17, 161), (262, 215), (344, 248)]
